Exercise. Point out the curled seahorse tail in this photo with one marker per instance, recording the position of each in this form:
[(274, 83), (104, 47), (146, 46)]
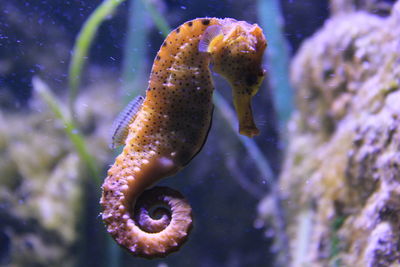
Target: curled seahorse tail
[(155, 225), (167, 214)]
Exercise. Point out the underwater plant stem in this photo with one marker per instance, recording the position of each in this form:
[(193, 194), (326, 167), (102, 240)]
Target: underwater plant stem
[(251, 188), (260, 160), (133, 69), (69, 127), (158, 19), (81, 47), (228, 114), (277, 55)]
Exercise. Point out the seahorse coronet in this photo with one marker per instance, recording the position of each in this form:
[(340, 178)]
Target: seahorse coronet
[(162, 133)]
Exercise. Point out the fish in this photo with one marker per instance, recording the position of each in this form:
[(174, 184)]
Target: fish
[(120, 127)]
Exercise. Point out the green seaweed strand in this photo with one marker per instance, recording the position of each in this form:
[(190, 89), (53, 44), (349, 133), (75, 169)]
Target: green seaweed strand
[(277, 55), (81, 47), (70, 129), (158, 19), (228, 114), (134, 56)]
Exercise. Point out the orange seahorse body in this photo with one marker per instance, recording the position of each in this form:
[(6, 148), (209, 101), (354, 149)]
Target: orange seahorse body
[(171, 126)]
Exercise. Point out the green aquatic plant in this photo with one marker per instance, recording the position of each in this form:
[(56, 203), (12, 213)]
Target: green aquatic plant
[(159, 20), (278, 59), (277, 56), (335, 245), (134, 59), (77, 139), (252, 148), (82, 45)]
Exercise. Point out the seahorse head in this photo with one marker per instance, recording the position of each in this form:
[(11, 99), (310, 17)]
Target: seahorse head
[(236, 50)]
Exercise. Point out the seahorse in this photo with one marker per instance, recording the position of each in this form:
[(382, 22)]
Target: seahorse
[(163, 132)]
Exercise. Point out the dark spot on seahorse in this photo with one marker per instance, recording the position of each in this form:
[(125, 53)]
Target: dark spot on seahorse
[(164, 44), (205, 21), (190, 24), (177, 30), (158, 57), (251, 79)]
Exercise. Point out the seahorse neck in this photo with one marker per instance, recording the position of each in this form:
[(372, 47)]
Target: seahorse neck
[(179, 58)]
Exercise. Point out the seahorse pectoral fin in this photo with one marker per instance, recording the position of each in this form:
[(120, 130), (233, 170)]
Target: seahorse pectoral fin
[(211, 35), (125, 118), (244, 112)]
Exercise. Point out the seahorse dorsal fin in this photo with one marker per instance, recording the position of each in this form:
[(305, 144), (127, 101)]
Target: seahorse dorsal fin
[(125, 118), (209, 35)]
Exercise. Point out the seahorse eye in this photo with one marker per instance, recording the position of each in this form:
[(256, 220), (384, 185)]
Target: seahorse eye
[(251, 79)]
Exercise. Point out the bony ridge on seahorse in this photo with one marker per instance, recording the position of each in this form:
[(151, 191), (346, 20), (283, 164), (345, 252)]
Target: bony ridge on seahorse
[(164, 131)]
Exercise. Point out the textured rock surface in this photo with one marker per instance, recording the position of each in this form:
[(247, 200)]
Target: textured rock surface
[(379, 7), (341, 179), (40, 184), (41, 181)]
